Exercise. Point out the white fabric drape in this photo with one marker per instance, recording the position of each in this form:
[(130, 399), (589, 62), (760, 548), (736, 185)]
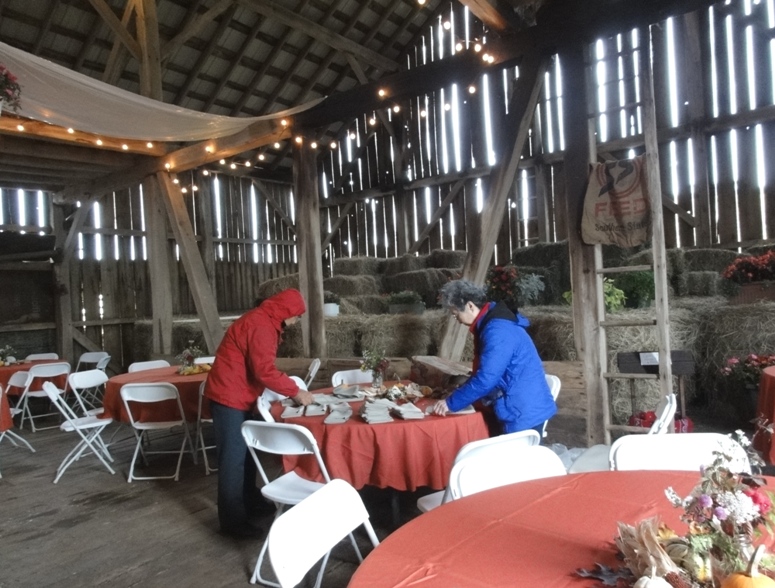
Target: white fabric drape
[(57, 95)]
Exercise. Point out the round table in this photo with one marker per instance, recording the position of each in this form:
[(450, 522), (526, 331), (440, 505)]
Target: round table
[(766, 408), (533, 533), (403, 455), (6, 371), (188, 388)]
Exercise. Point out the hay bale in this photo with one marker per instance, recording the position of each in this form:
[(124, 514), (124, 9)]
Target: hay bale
[(369, 304), (400, 335), (551, 329), (552, 256), (552, 293), (269, 288), (358, 266), (442, 258), (405, 263), (676, 267), (702, 283), (352, 285), (425, 282), (759, 249), (708, 260)]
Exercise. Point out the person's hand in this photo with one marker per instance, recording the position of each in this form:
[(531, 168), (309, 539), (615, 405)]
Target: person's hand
[(440, 408), (304, 397)]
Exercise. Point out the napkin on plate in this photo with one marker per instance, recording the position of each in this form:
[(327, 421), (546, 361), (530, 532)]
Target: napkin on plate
[(408, 411), (340, 413), (377, 411), (292, 412), (315, 410)]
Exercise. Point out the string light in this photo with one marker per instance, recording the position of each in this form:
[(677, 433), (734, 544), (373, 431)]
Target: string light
[(284, 122), (206, 172), (298, 139), (149, 145), (247, 163), (382, 92), (194, 188), (209, 149), (447, 106), (167, 166), (99, 141), (261, 157), (184, 190), (352, 136), (222, 162), (71, 130), (372, 121), (314, 145), (421, 2), (233, 166), (472, 89), (277, 145), (19, 127), (333, 144), (446, 25), (175, 181), (459, 46), (396, 108), (423, 114), (125, 147), (477, 47)]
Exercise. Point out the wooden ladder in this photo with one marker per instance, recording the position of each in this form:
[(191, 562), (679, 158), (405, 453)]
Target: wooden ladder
[(658, 266)]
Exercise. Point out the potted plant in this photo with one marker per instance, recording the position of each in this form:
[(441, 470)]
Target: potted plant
[(755, 276), (638, 288), (405, 302), (331, 302), (740, 382)]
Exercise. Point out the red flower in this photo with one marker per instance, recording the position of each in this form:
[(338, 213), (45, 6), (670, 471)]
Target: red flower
[(760, 499)]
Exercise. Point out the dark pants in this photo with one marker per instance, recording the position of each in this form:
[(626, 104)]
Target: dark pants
[(236, 470)]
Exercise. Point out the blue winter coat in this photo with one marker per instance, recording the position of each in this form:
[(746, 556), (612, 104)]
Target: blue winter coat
[(510, 373)]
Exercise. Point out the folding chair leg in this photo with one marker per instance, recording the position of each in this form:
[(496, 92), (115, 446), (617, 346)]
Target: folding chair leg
[(257, 578), (13, 437)]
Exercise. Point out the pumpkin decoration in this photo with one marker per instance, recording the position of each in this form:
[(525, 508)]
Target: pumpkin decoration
[(751, 578)]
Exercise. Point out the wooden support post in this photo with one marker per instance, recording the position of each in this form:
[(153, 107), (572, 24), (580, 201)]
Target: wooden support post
[(522, 108), (205, 206), (158, 268), (148, 37), (654, 189), (62, 302), (305, 188), (206, 307), (586, 284)]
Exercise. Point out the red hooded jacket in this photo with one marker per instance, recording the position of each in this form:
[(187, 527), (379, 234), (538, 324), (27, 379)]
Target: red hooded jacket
[(245, 361)]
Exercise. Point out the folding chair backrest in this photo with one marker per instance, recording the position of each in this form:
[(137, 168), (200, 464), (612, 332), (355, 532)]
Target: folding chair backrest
[(299, 382), (554, 388), (499, 465), (264, 405), (139, 366), (48, 370), (103, 363), (319, 521), (56, 399), (87, 379), (665, 416), (205, 359), (90, 357), (18, 380), (312, 372), (513, 440), (37, 356), (682, 451), (351, 377), (281, 439), (148, 393)]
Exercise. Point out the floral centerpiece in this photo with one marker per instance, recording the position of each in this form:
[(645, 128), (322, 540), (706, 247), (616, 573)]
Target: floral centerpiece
[(187, 357), (502, 284), (6, 353), (376, 363), (748, 371), (724, 512), (745, 270), (10, 90)]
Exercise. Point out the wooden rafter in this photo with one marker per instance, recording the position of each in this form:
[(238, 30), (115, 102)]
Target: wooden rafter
[(44, 27), (148, 38), (107, 14), (339, 222), (266, 194), (195, 27), (118, 58), (437, 214), (272, 9)]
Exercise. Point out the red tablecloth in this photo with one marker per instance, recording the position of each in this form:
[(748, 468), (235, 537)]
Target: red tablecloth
[(188, 387), (529, 534), (404, 455), (766, 409), (6, 371)]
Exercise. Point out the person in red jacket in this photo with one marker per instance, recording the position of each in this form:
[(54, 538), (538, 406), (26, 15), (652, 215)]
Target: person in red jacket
[(244, 365)]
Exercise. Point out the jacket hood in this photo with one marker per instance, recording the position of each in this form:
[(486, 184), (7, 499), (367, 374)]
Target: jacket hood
[(284, 305)]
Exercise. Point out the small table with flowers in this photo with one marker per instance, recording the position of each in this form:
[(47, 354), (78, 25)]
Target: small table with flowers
[(535, 533)]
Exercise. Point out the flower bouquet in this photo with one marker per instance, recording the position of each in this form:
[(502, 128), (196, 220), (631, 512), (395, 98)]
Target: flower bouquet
[(748, 371), (745, 270), (376, 363), (187, 357), (7, 354), (725, 512)]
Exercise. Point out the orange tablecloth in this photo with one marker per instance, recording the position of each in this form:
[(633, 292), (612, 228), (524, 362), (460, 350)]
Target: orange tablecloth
[(766, 409), (404, 455), (529, 534), (6, 371), (188, 387)]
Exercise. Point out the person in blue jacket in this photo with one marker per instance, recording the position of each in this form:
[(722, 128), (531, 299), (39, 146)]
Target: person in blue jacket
[(508, 373)]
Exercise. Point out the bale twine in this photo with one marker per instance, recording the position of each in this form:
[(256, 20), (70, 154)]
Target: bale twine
[(425, 282), (358, 266), (405, 263), (352, 285), (271, 287)]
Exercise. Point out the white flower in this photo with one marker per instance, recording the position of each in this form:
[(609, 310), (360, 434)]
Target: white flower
[(673, 497), (740, 507)]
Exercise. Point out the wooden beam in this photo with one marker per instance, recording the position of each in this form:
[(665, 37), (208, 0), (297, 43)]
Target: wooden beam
[(195, 27), (206, 306), (437, 215), (62, 296), (274, 10), (204, 202), (339, 222), (267, 195), (493, 13), (148, 38), (522, 108), (117, 59), (305, 187), (107, 14), (158, 267)]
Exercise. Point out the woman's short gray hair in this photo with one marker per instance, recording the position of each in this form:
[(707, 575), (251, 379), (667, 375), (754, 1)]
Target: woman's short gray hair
[(456, 294)]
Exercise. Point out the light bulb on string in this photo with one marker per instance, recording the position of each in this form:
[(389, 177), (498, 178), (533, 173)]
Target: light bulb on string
[(222, 162), (447, 25), (206, 172), (261, 157), (233, 166), (277, 145), (149, 145), (333, 144)]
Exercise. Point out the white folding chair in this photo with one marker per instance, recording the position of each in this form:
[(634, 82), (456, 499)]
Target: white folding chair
[(149, 394), (498, 465), (288, 489), (103, 363), (139, 366), (319, 522), (37, 356), (204, 359), (199, 441), (13, 437), (299, 382), (312, 372), (684, 451), (519, 439), (88, 429), (598, 457), (267, 397), (351, 377), (91, 357), (87, 386), (43, 371), (554, 387)]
